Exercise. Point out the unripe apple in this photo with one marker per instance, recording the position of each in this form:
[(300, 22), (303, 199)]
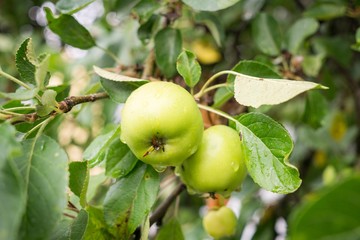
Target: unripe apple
[(220, 222), (218, 166), (162, 124)]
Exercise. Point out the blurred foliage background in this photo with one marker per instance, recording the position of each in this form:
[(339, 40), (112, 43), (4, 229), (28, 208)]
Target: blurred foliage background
[(317, 41)]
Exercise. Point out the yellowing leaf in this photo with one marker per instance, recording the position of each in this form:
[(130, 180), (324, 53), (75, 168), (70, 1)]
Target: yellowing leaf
[(254, 91)]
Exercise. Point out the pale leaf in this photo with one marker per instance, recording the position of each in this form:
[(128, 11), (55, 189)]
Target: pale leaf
[(115, 77), (254, 91)]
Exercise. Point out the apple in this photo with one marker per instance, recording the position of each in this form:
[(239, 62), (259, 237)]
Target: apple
[(218, 166), (220, 222), (162, 124)]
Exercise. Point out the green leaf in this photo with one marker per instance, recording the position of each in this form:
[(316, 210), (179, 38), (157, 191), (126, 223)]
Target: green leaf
[(41, 71), (334, 47), (356, 46), (94, 151), (214, 25), (326, 10), (266, 34), (79, 180), (267, 146), (171, 230), (130, 199), (98, 146), (21, 94), (251, 8), (49, 98), (189, 68), (62, 229), (9, 145), (78, 227), (32, 69), (48, 103), (119, 159), (222, 95), (254, 92), (73, 34), (119, 87), (145, 9), (26, 61), (124, 7), (253, 68), (146, 30), (96, 228), (168, 44), (119, 91), (72, 6), (334, 212), (312, 64), (299, 31), (316, 109), (12, 195), (210, 5), (44, 170)]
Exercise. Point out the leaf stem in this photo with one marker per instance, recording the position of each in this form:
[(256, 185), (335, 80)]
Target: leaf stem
[(3, 111), (218, 112), (110, 54), (204, 88), (20, 108), (15, 80), (41, 127), (215, 87)]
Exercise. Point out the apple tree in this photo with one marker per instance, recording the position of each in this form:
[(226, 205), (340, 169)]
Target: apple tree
[(179, 119)]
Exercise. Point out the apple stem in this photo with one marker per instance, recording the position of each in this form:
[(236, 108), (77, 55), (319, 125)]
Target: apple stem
[(150, 150)]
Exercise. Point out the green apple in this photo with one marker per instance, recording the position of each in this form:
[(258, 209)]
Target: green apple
[(218, 166), (220, 222), (162, 124)]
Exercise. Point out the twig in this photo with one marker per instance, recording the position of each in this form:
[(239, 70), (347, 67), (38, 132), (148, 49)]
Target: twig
[(63, 107), (149, 65), (72, 207), (69, 215), (160, 212)]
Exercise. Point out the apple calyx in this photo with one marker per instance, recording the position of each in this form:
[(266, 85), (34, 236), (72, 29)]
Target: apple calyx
[(157, 143)]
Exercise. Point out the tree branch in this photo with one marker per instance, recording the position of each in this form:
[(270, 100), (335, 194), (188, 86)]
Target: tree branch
[(160, 212), (63, 107)]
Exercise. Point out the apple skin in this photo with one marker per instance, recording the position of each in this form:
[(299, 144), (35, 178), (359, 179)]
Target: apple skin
[(162, 124), (218, 166), (220, 222)]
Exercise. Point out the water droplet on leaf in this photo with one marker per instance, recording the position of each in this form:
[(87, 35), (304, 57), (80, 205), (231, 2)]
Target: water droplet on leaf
[(159, 168)]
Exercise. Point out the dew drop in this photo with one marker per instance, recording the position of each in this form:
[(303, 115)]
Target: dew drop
[(159, 168), (177, 171), (191, 191), (234, 166), (56, 154), (122, 139)]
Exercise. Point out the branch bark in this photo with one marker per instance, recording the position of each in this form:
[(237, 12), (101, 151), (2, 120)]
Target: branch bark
[(63, 107), (160, 212)]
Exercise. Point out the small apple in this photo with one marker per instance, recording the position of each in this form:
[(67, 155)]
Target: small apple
[(220, 222), (218, 166), (162, 124)]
